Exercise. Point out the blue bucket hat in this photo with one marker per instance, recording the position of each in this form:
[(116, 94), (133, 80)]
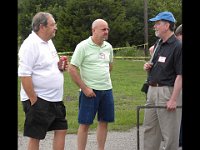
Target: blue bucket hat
[(164, 16)]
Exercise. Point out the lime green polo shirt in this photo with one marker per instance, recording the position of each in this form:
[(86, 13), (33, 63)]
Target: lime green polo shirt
[(93, 62)]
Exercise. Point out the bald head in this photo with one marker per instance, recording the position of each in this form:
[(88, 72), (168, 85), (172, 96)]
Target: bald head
[(100, 31), (98, 22)]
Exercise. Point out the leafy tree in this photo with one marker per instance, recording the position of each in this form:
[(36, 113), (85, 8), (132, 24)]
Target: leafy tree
[(174, 6), (27, 9), (135, 15), (74, 19)]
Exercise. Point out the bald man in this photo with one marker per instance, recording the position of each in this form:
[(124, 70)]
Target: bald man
[(94, 57)]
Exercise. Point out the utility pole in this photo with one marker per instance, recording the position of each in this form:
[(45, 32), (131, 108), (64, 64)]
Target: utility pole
[(146, 27)]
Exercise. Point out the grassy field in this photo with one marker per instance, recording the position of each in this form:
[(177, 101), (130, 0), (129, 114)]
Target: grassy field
[(127, 79)]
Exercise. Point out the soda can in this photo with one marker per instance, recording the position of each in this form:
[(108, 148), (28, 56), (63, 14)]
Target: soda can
[(62, 63)]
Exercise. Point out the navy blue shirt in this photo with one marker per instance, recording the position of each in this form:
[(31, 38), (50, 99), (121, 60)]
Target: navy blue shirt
[(167, 62)]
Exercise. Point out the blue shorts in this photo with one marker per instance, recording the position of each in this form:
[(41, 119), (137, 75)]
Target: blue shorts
[(102, 104)]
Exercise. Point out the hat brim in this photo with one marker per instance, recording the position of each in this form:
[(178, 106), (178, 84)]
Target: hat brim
[(154, 19)]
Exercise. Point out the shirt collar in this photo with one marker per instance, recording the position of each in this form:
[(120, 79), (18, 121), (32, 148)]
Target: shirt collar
[(37, 38), (92, 43), (171, 39)]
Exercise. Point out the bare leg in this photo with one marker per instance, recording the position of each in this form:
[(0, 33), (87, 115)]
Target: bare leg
[(82, 136), (102, 134), (33, 144), (59, 139)]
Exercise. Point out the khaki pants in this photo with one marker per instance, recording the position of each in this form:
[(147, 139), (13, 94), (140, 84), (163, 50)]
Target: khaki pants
[(160, 124)]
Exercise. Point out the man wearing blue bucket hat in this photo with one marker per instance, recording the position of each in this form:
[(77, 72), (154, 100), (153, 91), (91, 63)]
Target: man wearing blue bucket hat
[(162, 125)]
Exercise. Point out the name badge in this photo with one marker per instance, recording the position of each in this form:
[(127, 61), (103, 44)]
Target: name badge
[(161, 59), (102, 56)]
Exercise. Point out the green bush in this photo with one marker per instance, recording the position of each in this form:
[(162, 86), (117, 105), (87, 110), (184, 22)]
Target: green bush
[(129, 51)]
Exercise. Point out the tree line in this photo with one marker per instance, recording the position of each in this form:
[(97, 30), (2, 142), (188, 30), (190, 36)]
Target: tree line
[(74, 19)]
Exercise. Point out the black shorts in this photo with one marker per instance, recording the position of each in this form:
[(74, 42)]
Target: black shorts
[(43, 116)]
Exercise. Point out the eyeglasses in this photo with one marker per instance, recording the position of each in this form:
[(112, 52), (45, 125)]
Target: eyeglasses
[(52, 25), (105, 29)]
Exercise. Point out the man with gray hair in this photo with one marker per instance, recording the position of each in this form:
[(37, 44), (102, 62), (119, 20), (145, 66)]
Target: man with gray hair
[(165, 85), (42, 84)]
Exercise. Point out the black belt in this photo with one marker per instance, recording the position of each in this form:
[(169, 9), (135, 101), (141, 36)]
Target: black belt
[(156, 84)]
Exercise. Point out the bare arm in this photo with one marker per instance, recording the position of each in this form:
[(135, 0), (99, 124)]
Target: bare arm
[(73, 71), (29, 89), (110, 67), (171, 104)]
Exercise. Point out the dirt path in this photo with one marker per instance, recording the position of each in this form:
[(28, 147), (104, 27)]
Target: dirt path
[(115, 141)]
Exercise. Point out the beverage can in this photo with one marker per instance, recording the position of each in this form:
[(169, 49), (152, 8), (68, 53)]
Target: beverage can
[(62, 63)]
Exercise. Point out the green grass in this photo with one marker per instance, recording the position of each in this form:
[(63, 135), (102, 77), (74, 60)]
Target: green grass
[(127, 79)]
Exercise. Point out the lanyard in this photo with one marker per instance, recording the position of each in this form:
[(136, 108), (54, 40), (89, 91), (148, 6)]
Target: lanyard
[(155, 49)]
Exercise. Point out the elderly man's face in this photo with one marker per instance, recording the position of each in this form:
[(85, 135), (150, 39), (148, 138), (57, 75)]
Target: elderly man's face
[(160, 27), (101, 31)]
